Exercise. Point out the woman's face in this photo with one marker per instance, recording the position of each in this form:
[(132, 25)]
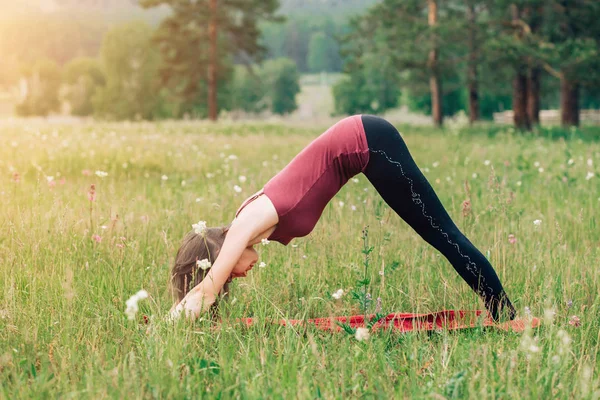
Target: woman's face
[(245, 263)]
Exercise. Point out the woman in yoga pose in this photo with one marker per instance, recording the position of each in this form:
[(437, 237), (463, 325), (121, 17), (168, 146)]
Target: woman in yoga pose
[(291, 203)]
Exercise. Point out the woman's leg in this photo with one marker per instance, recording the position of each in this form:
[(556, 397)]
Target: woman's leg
[(394, 174)]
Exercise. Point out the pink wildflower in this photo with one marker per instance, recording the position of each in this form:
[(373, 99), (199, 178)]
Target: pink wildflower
[(51, 184), (97, 238), (575, 321), (62, 181), (92, 192), (120, 245), (512, 239), (86, 172), (16, 177), (466, 208)]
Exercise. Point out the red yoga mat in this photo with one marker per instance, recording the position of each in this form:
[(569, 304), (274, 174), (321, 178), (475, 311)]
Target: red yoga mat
[(408, 322)]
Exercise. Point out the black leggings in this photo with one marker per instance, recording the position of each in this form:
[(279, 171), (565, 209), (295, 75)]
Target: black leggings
[(394, 174)]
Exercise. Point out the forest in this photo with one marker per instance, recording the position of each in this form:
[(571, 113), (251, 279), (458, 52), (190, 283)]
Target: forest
[(203, 57)]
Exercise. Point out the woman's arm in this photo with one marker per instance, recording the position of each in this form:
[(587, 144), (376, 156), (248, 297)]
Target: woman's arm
[(257, 217)]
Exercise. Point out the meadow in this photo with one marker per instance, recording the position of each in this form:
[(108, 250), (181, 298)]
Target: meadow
[(70, 257)]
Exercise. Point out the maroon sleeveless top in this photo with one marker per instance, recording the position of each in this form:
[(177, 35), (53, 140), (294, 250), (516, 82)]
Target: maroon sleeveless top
[(303, 188)]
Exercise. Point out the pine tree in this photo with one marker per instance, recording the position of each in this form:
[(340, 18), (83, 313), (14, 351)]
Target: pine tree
[(200, 39)]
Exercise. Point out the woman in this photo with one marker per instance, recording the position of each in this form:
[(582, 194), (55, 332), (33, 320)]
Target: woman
[(291, 203)]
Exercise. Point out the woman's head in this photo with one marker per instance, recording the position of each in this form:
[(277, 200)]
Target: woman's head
[(186, 273)]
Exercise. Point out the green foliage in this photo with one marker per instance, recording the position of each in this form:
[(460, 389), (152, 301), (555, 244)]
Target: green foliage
[(83, 76), (322, 51), (372, 84), (43, 81), (248, 91), (131, 65), (306, 39), (272, 85), (281, 77)]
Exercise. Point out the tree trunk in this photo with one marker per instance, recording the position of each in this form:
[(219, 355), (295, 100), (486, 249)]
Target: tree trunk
[(472, 81), (213, 63), (569, 102), (519, 98), (533, 95), (434, 79), (521, 119)]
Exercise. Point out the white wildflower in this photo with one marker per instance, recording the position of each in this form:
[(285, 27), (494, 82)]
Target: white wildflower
[(101, 174), (529, 344), (265, 163), (200, 227), (537, 222), (125, 165), (355, 180), (203, 264), (294, 245), (519, 183), (232, 157), (49, 178), (262, 265), (338, 294), (353, 207), (571, 161), (341, 203), (264, 241), (474, 175), (549, 315), (541, 169), (536, 164), (436, 164), (132, 304), (589, 176), (164, 177), (590, 162), (209, 175), (487, 162), (237, 189), (199, 199), (242, 178), (362, 334)]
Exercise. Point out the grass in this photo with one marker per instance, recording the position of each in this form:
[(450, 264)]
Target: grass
[(63, 331)]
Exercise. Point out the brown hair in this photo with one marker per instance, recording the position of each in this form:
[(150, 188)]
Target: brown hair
[(185, 274)]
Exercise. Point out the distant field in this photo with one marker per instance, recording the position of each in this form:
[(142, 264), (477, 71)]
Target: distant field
[(68, 266)]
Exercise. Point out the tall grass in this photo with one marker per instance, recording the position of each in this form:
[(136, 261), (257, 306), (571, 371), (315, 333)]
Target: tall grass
[(68, 265)]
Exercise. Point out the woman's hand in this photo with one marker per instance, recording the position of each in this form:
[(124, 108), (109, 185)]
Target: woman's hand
[(192, 305)]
